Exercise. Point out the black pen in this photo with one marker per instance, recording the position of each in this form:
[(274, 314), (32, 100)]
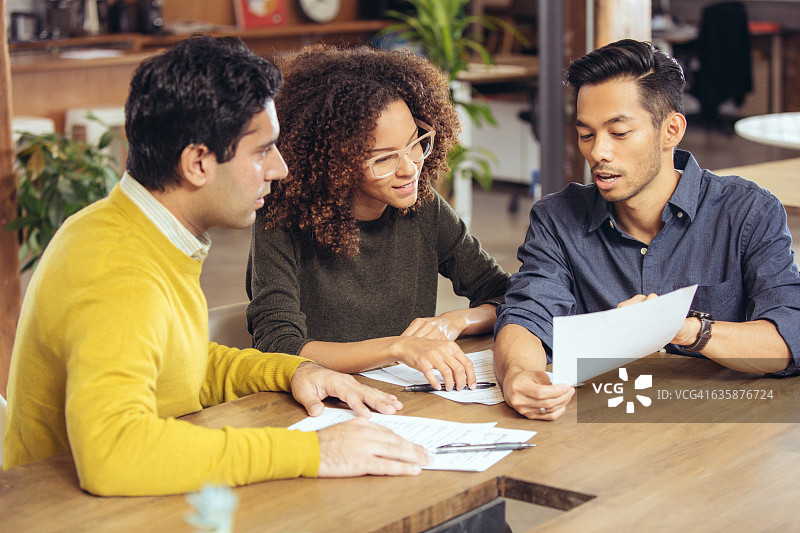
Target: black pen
[(495, 447), (427, 387)]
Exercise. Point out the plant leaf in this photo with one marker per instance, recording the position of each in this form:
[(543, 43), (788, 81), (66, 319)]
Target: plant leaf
[(20, 222), (36, 164), (57, 177), (105, 139), (30, 264)]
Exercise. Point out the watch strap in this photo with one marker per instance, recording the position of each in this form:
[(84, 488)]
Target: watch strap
[(704, 335)]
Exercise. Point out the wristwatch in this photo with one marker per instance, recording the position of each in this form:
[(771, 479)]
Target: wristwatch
[(704, 335)]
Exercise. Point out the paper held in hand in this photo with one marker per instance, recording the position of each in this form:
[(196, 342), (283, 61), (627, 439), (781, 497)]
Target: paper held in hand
[(609, 339)]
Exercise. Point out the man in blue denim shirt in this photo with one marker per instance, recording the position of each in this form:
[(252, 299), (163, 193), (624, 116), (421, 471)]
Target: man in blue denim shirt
[(651, 222)]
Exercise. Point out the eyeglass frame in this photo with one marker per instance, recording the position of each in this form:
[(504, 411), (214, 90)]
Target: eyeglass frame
[(403, 151)]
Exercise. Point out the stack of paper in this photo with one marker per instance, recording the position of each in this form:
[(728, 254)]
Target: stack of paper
[(432, 433), (404, 375)]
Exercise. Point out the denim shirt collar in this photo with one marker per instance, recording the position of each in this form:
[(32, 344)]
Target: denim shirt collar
[(687, 194), (685, 198)]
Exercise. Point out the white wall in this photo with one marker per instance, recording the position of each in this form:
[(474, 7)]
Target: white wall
[(511, 142)]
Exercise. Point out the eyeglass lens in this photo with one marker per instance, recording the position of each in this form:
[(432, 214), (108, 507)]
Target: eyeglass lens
[(417, 151)]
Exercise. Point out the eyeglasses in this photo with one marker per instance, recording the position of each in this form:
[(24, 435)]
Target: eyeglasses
[(387, 163)]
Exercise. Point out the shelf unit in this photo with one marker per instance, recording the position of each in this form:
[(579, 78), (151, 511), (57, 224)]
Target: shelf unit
[(47, 85)]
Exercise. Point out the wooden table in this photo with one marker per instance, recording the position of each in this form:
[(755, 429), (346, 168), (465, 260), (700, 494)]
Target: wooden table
[(781, 178), (607, 476)]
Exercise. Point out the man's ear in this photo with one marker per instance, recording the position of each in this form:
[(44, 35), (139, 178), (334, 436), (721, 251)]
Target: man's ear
[(196, 164), (674, 128)]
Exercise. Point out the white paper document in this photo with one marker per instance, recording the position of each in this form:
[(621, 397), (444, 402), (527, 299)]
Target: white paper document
[(609, 339), (404, 375), (430, 433)]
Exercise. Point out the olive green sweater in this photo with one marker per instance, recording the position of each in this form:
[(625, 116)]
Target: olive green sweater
[(301, 292)]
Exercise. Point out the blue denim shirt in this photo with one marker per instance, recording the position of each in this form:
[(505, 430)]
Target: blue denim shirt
[(724, 233)]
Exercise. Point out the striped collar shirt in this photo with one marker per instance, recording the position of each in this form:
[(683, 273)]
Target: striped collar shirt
[(178, 234)]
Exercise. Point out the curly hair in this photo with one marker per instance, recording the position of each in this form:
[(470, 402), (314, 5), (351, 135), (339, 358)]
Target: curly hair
[(328, 111)]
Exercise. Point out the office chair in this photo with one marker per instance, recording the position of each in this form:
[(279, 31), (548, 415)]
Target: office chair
[(227, 325)]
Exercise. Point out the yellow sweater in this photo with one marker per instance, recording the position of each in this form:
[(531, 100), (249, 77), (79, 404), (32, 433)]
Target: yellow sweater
[(112, 344)]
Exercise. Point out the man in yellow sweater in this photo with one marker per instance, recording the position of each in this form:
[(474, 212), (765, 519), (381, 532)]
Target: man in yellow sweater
[(112, 342)]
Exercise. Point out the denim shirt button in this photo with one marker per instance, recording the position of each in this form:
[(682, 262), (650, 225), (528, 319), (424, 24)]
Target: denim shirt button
[(644, 250), (680, 214)]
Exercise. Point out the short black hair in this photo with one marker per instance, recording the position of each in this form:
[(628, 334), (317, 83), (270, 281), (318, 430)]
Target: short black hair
[(204, 90), (660, 77)]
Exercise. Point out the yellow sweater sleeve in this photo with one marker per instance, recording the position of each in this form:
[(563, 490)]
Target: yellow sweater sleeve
[(233, 373), (112, 346), (121, 374)]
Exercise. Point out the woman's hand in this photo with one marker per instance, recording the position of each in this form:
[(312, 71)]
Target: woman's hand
[(449, 325), (429, 354), (443, 327)]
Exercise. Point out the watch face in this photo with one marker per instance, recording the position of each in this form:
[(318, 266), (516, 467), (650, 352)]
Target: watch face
[(320, 10), (699, 315)]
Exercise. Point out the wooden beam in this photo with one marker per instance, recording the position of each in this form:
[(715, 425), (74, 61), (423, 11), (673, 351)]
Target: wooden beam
[(551, 95), (562, 34), (9, 266), (574, 47)]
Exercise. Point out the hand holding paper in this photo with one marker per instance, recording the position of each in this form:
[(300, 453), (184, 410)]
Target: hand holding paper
[(608, 339)]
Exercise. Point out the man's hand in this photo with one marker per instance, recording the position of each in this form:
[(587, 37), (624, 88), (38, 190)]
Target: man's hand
[(360, 447), (312, 383), (427, 355), (531, 394), (519, 363), (689, 329), (639, 298)]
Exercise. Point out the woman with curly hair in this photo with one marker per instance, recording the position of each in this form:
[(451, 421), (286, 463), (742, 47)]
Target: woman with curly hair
[(345, 253)]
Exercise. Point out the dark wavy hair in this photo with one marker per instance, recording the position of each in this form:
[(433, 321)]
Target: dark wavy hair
[(328, 111), (205, 90), (660, 77)]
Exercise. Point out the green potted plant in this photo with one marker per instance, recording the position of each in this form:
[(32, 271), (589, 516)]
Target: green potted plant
[(446, 33), (57, 177)]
